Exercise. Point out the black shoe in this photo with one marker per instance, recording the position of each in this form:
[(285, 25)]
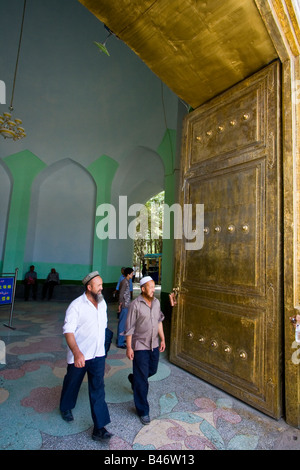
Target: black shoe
[(67, 415), (145, 419), (122, 347), (101, 434), (130, 378)]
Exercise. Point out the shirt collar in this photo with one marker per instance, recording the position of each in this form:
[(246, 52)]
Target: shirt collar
[(87, 300), (141, 299)]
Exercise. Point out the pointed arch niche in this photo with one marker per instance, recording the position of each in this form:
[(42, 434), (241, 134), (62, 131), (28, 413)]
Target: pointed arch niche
[(139, 177), (5, 194), (62, 218)]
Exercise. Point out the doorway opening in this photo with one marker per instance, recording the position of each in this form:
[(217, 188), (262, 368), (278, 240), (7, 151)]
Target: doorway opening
[(147, 250)]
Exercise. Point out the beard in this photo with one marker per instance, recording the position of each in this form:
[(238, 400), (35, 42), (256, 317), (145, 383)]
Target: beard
[(97, 297), (147, 296)]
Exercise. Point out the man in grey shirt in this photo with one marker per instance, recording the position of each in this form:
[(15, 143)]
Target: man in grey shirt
[(143, 330)]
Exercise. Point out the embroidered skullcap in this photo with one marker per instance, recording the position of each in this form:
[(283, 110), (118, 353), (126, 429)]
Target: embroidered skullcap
[(89, 277)]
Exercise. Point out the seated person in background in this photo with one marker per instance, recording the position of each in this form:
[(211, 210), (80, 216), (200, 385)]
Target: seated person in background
[(51, 281), (30, 283)]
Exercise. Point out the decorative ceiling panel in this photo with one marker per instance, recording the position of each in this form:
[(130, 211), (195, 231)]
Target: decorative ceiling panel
[(198, 48)]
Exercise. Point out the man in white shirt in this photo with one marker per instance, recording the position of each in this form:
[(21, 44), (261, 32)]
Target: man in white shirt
[(84, 330)]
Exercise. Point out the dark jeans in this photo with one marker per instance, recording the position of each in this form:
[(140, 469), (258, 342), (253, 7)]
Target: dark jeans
[(72, 382), (121, 340), (145, 364)]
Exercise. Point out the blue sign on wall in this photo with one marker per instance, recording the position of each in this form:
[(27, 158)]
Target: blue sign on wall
[(6, 290)]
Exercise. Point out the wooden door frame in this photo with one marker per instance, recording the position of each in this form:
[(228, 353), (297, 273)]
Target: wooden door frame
[(282, 23)]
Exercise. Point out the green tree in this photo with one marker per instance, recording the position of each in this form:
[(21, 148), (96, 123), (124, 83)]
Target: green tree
[(152, 243)]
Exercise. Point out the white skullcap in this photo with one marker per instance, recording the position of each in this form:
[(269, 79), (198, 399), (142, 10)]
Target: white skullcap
[(145, 279)]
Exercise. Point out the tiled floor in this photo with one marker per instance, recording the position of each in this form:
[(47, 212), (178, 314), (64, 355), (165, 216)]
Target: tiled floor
[(186, 412)]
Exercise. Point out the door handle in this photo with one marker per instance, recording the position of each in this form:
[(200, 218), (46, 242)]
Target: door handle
[(173, 296)]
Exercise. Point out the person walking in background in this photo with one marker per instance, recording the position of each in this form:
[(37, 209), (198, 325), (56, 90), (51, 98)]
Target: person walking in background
[(143, 330), (119, 282), (84, 330), (134, 268), (124, 302)]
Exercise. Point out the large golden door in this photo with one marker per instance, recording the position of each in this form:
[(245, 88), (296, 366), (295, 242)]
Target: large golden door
[(226, 327)]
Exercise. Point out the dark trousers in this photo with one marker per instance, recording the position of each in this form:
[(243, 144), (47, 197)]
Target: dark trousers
[(71, 385), (145, 364), (48, 286), (121, 340), (28, 287)]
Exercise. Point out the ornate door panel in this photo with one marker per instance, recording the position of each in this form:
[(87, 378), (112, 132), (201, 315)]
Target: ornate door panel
[(226, 327)]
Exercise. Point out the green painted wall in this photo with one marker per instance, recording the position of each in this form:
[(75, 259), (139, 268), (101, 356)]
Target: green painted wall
[(92, 122), (167, 151), (103, 171), (25, 167)]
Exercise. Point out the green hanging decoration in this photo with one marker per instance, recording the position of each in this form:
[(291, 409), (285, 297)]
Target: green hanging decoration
[(102, 45)]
